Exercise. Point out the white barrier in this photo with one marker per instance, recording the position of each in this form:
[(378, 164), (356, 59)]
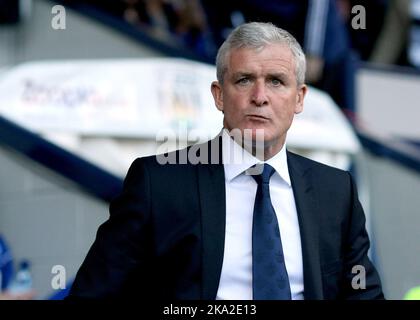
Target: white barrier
[(137, 98)]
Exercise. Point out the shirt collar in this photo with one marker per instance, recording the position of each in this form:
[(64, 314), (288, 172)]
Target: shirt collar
[(237, 160)]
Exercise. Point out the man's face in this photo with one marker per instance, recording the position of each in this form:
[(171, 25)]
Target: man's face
[(260, 91)]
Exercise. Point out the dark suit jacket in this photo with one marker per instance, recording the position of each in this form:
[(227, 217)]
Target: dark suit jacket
[(165, 235)]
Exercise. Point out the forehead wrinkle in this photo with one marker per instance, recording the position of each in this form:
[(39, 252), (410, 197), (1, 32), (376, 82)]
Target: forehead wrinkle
[(277, 72), (277, 65), (250, 61)]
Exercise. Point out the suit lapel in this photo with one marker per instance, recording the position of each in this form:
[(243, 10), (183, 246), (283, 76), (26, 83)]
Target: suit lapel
[(306, 207), (211, 184)]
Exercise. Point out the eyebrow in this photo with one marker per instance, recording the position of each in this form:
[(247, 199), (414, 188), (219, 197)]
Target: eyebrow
[(280, 75), (242, 74), (239, 74)]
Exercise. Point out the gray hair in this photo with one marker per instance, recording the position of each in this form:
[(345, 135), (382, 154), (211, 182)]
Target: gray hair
[(257, 35)]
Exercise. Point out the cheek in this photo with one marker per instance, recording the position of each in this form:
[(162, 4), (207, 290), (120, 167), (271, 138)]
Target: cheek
[(285, 113), (234, 105), (233, 115)]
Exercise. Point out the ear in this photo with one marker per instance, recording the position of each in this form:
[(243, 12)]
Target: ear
[(217, 91), (300, 97)]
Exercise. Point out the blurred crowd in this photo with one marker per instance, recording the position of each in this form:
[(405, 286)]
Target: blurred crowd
[(14, 285), (323, 27), (389, 31)]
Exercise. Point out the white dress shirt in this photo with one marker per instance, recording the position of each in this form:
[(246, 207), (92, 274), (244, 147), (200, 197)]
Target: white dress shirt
[(236, 276)]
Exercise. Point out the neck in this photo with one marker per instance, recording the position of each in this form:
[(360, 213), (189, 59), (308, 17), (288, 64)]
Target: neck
[(262, 151), (271, 151), (265, 153)]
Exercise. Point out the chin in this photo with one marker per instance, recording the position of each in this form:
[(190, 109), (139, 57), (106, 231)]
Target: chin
[(257, 134), (257, 138)]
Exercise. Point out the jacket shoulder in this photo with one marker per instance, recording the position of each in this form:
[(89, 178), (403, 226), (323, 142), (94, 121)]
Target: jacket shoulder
[(304, 164)]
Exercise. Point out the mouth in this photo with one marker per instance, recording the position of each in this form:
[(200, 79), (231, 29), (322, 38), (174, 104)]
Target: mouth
[(256, 117)]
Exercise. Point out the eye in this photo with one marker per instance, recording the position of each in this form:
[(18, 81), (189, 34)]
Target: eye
[(276, 82), (243, 81)]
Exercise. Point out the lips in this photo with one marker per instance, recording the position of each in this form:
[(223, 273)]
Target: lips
[(257, 117)]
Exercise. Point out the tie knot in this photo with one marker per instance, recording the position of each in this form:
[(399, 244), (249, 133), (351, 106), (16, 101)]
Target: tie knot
[(264, 177)]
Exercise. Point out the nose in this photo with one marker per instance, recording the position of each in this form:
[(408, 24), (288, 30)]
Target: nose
[(259, 94)]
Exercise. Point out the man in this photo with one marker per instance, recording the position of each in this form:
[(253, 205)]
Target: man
[(317, 24), (271, 226)]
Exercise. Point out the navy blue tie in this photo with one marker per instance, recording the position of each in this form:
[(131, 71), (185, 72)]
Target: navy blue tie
[(269, 275)]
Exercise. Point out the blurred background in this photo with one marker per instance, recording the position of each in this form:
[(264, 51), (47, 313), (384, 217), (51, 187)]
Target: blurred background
[(88, 86)]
